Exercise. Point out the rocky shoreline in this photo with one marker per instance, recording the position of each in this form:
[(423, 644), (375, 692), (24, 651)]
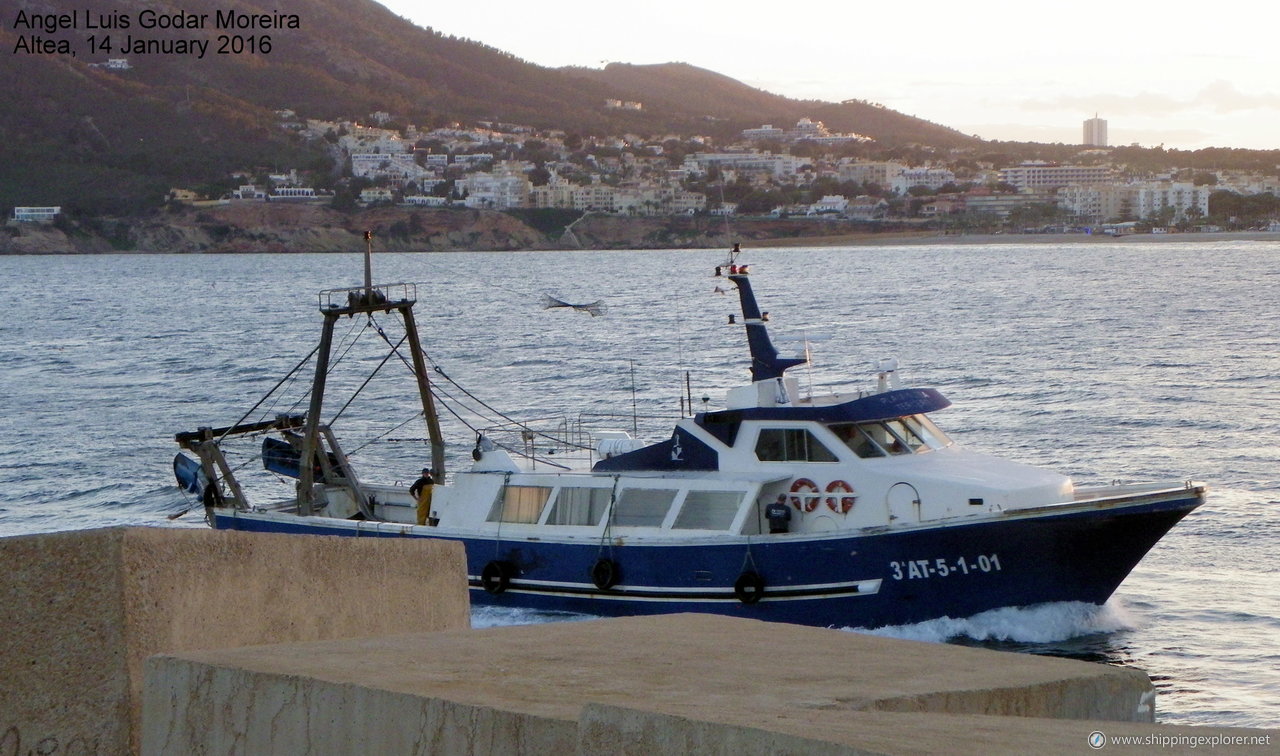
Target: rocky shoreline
[(256, 227)]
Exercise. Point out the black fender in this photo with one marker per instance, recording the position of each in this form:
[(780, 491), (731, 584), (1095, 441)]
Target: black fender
[(605, 573), (496, 576), (749, 587)]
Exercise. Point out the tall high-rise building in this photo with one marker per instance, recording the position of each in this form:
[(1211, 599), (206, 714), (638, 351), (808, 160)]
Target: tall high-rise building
[(1095, 132)]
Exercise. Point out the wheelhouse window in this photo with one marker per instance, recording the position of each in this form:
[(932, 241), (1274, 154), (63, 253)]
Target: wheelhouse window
[(911, 443), (521, 504), (708, 510), (579, 506), (791, 445), (643, 507), (904, 435), (925, 429), (857, 439)]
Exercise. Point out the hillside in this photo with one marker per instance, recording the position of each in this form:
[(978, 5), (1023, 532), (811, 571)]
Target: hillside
[(667, 87), (99, 141)]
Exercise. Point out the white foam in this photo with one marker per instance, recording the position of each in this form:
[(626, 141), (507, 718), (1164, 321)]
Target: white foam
[(504, 616), (1042, 623)]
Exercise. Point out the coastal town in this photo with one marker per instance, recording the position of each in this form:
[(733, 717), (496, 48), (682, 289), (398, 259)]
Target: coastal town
[(799, 172), (802, 170)]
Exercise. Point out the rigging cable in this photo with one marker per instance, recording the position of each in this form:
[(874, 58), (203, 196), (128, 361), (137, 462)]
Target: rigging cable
[(434, 389), (268, 394), (366, 382)]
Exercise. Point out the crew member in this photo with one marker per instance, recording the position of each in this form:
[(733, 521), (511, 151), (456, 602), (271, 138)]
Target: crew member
[(421, 490), (779, 515)]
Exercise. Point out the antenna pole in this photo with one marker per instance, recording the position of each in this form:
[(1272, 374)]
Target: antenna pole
[(368, 266), (635, 421)]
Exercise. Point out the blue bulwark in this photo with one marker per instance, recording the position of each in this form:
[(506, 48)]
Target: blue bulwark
[(890, 404), (680, 452)]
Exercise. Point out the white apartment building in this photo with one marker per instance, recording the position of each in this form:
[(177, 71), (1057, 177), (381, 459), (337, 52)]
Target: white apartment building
[(806, 129), (424, 200), (398, 167), (645, 199), (375, 194), (599, 198), (1151, 197), (933, 178), (557, 192), (473, 159), (292, 193), (36, 214), (830, 204), (883, 174), (369, 139), (494, 191), (1002, 205), (764, 163), (1247, 183), (866, 207), (1030, 176), (767, 131), (1095, 203), (1141, 200)]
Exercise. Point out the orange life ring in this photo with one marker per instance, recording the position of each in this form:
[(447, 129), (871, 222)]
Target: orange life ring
[(840, 504), (804, 503)]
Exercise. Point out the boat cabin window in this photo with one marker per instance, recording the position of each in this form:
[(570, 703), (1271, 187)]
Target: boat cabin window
[(791, 445), (519, 504), (903, 435), (857, 439), (579, 506), (643, 507), (906, 436), (925, 429), (708, 510)]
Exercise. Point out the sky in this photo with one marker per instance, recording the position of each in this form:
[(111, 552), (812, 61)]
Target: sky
[(1177, 74)]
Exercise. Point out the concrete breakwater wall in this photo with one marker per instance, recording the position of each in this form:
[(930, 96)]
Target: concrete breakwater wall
[(82, 610), (675, 684), (167, 641)]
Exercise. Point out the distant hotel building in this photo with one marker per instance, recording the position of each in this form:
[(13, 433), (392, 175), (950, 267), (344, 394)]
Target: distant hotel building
[(1032, 176), (805, 130), (1095, 132)]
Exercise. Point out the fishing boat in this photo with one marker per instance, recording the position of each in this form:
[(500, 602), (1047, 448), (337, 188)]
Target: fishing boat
[(850, 509)]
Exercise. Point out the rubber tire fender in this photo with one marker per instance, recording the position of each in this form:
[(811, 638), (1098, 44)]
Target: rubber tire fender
[(496, 576), (749, 587), (605, 573)]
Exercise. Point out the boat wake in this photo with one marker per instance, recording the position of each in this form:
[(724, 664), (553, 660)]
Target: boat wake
[(1042, 623), (502, 616)]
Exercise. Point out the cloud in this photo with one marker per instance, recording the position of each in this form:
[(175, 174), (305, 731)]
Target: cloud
[(1218, 97)]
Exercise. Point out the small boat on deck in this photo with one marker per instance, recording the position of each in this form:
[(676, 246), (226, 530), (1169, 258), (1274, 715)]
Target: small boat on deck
[(850, 509)]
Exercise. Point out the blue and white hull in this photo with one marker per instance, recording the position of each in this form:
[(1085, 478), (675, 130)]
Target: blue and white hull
[(1080, 553)]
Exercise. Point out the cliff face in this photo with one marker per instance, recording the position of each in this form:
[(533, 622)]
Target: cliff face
[(299, 227)]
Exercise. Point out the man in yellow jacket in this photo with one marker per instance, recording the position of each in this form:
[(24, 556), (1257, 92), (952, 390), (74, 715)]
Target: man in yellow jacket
[(421, 490)]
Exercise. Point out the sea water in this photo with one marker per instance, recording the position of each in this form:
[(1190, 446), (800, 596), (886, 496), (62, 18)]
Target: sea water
[(1116, 361)]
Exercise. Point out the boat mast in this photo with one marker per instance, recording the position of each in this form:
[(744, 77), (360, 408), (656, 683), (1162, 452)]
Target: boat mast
[(366, 300), (766, 364)]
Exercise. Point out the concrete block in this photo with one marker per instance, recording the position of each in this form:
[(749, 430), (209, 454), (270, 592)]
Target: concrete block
[(702, 668), (83, 609), (194, 707), (645, 729)]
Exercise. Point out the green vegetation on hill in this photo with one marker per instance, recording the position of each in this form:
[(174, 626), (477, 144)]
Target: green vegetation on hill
[(98, 141)]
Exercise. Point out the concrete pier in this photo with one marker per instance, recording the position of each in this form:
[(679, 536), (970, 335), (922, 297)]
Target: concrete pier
[(669, 684), (83, 609), (303, 644)]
